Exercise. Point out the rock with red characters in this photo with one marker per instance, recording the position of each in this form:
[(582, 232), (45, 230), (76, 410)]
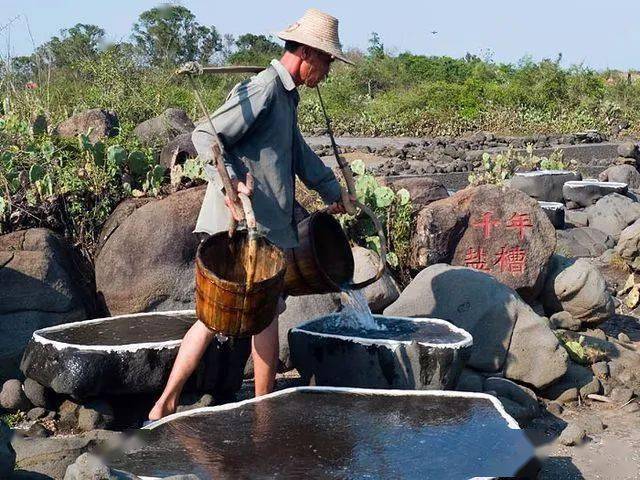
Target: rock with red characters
[(497, 230)]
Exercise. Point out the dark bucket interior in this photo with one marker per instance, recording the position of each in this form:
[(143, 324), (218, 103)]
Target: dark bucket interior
[(332, 249), (226, 257)]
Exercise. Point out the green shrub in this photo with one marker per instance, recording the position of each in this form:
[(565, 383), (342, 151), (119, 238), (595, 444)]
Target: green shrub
[(393, 209)]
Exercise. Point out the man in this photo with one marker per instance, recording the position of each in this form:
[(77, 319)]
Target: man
[(259, 130)]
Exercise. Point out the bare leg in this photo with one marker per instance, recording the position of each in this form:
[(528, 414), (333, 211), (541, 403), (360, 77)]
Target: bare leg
[(192, 348), (265, 358)]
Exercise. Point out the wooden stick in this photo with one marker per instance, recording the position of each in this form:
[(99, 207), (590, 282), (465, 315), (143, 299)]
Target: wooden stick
[(599, 398)]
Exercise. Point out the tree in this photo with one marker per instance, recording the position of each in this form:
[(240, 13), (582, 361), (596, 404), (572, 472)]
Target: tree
[(254, 49), (80, 42), (376, 47), (170, 35)]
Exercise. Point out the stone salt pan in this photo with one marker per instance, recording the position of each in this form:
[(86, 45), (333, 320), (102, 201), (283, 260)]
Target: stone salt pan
[(126, 354), (420, 353), (336, 433)]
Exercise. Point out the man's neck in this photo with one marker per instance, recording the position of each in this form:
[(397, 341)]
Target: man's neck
[(292, 63)]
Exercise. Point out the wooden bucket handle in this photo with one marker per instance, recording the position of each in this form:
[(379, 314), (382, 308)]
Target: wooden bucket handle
[(382, 268)]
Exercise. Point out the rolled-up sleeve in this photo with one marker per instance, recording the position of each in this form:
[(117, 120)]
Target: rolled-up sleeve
[(313, 172), (232, 121)]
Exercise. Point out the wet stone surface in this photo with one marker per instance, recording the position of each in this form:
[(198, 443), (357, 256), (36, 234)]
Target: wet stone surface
[(313, 434), (124, 330), (390, 329)]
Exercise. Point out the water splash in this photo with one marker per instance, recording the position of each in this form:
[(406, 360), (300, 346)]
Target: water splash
[(355, 313)]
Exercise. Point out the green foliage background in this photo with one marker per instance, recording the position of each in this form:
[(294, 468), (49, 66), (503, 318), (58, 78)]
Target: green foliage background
[(72, 186)]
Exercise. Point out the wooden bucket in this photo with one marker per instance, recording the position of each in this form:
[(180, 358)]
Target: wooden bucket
[(322, 262), (222, 302)]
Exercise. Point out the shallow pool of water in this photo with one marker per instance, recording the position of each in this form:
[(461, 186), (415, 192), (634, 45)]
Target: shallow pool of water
[(336, 436)]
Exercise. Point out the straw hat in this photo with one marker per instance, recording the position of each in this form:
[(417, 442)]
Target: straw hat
[(318, 30)]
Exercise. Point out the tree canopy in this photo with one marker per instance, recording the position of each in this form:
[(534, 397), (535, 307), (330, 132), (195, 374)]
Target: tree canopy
[(170, 35)]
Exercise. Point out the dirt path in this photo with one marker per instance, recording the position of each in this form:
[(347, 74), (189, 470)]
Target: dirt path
[(611, 455)]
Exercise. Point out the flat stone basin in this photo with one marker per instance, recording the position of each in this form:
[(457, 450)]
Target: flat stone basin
[(406, 353), (337, 433), (125, 354)]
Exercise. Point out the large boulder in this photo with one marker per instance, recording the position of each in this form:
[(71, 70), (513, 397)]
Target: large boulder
[(622, 174), (628, 150), (613, 213), (157, 131), (577, 287), (508, 335), (422, 190), (629, 243), (583, 242), (177, 151), (544, 185), (498, 230), (587, 192), (382, 292), (12, 396), (578, 381), (42, 283), (98, 123), (147, 262), (519, 401)]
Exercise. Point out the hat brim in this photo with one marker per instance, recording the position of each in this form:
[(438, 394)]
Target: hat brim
[(295, 37)]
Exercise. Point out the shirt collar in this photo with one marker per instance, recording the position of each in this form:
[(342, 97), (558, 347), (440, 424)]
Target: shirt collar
[(285, 76)]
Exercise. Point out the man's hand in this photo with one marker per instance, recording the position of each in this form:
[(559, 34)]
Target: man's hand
[(344, 206), (239, 187)]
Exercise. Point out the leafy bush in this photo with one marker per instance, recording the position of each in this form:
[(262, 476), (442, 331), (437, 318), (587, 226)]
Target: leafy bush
[(392, 208), (68, 186), (500, 167)]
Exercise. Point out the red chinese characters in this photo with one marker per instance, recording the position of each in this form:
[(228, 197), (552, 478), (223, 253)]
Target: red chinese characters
[(487, 224), (520, 221), (476, 258), (509, 259)]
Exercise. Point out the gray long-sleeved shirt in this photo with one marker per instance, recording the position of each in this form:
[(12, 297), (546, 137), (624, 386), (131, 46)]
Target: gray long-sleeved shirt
[(259, 129)]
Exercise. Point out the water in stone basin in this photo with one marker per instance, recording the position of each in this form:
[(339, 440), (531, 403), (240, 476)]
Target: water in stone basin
[(390, 328), (355, 313)]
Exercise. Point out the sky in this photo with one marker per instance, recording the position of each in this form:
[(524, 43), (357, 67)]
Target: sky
[(594, 33)]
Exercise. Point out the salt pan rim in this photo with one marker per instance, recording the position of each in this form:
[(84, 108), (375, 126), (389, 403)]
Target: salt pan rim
[(466, 342), (537, 173), (511, 423), (551, 205), (130, 347), (593, 181)]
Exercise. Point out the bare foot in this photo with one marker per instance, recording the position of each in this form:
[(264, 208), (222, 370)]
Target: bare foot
[(162, 408)]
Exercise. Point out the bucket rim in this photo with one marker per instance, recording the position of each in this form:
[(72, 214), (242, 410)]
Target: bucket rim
[(237, 287), (313, 218)]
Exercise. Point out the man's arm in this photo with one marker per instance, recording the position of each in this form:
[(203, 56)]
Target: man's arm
[(232, 120), (313, 172)]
